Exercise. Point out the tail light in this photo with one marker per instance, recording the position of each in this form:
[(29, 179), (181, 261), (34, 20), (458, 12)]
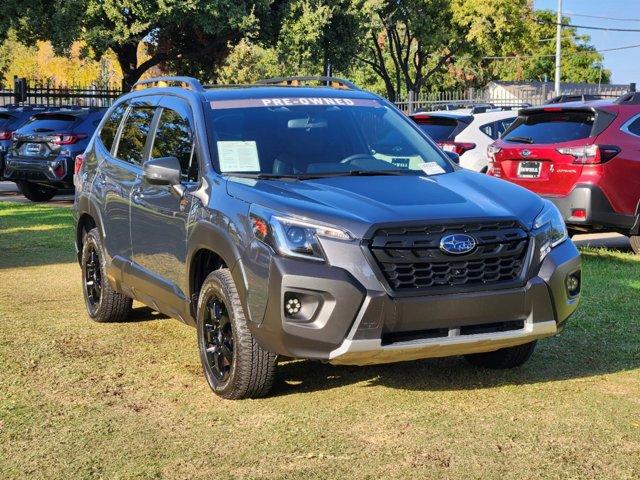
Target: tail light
[(5, 135), (457, 147), (78, 163), (66, 139), (590, 154), (493, 168)]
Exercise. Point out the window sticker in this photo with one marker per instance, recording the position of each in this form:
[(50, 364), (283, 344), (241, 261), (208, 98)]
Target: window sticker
[(431, 168), (294, 102), (238, 156)]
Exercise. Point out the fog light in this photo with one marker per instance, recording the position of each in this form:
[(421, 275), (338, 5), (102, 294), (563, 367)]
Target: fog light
[(293, 305), (573, 284)]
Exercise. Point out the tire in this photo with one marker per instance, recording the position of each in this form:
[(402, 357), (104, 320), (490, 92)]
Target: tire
[(509, 357), (103, 303), (35, 192), (234, 365), (635, 243)]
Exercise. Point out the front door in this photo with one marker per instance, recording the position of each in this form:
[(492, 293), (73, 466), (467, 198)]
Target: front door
[(159, 215)]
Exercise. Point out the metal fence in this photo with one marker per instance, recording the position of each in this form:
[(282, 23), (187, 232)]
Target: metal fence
[(499, 95), (51, 94)]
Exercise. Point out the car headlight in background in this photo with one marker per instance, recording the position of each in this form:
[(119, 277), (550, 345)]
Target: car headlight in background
[(549, 228), (292, 237)]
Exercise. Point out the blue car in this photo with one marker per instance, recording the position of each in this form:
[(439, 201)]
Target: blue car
[(13, 117), (41, 157)]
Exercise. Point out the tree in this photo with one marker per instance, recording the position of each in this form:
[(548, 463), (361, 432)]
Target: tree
[(408, 42), (191, 35), (536, 61)]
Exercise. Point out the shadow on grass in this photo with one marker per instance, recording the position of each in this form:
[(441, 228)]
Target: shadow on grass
[(144, 314)]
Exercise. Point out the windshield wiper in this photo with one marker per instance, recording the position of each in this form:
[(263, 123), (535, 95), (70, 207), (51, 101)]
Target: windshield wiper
[(362, 173), (260, 176), (518, 139)]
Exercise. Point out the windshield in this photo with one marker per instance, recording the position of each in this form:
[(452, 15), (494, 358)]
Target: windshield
[(301, 137)]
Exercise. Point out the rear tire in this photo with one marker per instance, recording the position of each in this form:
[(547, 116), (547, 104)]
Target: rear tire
[(35, 192), (635, 243), (234, 365), (103, 303), (509, 357)]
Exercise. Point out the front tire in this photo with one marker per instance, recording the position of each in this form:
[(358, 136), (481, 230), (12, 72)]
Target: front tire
[(36, 192), (504, 358), (635, 243), (234, 365), (103, 303)]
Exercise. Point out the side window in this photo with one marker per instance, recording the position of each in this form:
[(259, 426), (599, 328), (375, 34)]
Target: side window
[(489, 130), (108, 132), (634, 127), (134, 134), (175, 139)]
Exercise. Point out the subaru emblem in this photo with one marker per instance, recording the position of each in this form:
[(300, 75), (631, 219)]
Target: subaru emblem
[(457, 244), (525, 153)]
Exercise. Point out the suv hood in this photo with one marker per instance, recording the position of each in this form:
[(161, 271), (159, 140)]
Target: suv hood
[(357, 203)]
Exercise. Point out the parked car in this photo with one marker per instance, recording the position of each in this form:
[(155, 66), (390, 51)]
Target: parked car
[(11, 118), (466, 133), (41, 157), (583, 156), (276, 221)]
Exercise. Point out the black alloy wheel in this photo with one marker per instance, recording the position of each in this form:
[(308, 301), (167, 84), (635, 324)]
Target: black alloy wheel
[(217, 336), (93, 278)]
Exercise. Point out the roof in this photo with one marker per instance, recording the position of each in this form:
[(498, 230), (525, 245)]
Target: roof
[(251, 91)]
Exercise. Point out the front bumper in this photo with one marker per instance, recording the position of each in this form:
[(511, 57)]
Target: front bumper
[(351, 319), (56, 171), (600, 215)]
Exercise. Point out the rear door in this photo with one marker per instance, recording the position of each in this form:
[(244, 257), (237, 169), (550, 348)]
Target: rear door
[(530, 155), (159, 216), (126, 131)]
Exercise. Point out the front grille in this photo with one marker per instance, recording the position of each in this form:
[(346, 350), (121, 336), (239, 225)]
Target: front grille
[(410, 257)]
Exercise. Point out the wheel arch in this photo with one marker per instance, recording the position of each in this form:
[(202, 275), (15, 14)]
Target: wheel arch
[(210, 248), (88, 217)]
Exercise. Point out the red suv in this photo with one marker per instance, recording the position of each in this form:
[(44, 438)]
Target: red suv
[(583, 156)]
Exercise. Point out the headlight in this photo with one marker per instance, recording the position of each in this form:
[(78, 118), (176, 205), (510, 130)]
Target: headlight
[(292, 237), (549, 228)]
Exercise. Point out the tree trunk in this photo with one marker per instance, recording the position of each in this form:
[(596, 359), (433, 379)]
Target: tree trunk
[(127, 56)]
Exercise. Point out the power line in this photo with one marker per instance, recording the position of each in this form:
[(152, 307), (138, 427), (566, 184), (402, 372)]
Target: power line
[(603, 18), (548, 22), (553, 55)]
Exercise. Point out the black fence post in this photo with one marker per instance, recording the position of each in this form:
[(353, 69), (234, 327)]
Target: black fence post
[(19, 89)]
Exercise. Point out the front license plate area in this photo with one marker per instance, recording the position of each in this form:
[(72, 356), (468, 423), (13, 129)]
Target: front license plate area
[(529, 169)]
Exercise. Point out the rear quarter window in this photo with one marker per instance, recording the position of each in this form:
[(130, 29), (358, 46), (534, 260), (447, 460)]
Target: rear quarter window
[(634, 127), (551, 127), (108, 131)]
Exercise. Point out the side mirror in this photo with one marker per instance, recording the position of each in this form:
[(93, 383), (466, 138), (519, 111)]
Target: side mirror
[(453, 156), (162, 171)]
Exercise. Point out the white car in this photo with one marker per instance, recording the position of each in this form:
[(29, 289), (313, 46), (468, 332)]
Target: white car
[(465, 133)]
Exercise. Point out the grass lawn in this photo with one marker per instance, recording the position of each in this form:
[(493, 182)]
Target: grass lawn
[(86, 400)]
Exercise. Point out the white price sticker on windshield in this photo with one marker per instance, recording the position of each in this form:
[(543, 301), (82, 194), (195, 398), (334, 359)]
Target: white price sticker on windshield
[(238, 156), (431, 168)]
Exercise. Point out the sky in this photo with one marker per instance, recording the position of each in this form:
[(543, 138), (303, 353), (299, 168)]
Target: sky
[(624, 64)]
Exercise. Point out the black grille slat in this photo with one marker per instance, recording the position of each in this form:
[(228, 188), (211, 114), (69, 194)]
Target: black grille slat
[(410, 258)]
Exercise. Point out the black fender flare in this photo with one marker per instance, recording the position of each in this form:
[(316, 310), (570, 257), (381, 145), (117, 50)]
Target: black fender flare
[(208, 236)]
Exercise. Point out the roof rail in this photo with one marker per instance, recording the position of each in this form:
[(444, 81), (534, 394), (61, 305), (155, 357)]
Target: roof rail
[(333, 82), (630, 98), (185, 82)]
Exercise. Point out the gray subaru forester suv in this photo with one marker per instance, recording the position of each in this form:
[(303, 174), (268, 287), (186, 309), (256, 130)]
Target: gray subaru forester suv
[(305, 218)]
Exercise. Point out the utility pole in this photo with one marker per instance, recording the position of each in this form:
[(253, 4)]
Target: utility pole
[(558, 46)]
